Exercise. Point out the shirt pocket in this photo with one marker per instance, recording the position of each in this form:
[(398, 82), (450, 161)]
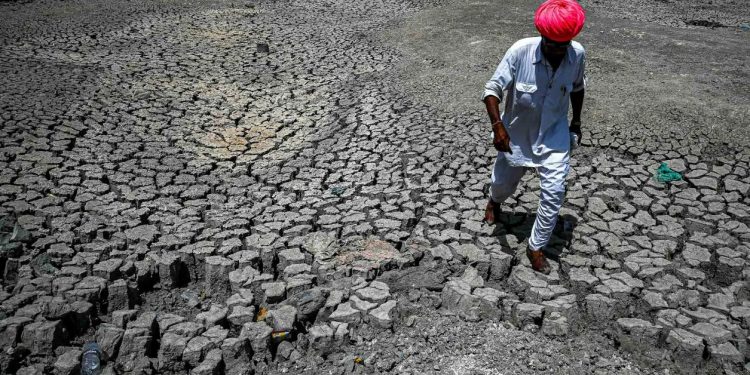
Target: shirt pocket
[(525, 93), (564, 98)]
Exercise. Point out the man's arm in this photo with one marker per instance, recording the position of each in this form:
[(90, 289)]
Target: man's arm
[(576, 101), (576, 97), (501, 141), (493, 93)]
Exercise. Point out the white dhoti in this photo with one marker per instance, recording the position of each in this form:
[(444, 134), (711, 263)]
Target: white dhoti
[(552, 176)]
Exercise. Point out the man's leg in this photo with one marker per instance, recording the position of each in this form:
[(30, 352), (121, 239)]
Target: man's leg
[(552, 181), (503, 184)]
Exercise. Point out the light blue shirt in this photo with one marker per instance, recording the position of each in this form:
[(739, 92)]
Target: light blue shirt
[(536, 107)]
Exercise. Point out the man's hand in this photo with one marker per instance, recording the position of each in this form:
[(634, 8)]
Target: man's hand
[(501, 140), (575, 127)]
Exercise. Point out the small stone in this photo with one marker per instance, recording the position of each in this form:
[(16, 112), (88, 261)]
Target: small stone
[(346, 313), (282, 319), (441, 252), (471, 277), (273, 292), (196, 350), (299, 283), (308, 303), (42, 337), (713, 334), (453, 291), (10, 330), (654, 301), (137, 343), (239, 277), (68, 363), (489, 303), (121, 318), (600, 308), (170, 352), (259, 336), (500, 265), (238, 299), (290, 256), (285, 349), (108, 269), (109, 338), (172, 272), (362, 305), (187, 329), (581, 280), (295, 269), (210, 365), (373, 294), (383, 315), (696, 256), (216, 334), (736, 185), (639, 336), (340, 333), (528, 313), (236, 351), (215, 315), (741, 313), (523, 278), (118, 295), (687, 348), (720, 302), (555, 324), (726, 353), (241, 315), (321, 337), (217, 274)]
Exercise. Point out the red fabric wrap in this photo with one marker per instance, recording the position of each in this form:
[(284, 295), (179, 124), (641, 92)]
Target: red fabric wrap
[(559, 20)]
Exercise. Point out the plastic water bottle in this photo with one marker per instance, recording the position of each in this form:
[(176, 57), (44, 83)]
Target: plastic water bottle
[(91, 359)]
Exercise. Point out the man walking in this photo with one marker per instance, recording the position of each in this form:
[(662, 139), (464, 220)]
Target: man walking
[(540, 76)]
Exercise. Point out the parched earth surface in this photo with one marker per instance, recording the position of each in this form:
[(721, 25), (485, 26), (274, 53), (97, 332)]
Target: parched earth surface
[(296, 186)]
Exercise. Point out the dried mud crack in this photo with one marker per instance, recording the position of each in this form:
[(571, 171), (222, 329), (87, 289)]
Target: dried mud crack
[(262, 187)]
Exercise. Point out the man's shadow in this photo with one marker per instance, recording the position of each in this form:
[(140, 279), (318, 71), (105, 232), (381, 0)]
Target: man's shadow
[(521, 224)]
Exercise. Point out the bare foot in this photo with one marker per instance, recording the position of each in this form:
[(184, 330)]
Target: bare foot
[(489, 212), (538, 261)]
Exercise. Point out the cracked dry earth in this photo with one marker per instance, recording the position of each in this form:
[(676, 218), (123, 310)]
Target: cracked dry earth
[(265, 187)]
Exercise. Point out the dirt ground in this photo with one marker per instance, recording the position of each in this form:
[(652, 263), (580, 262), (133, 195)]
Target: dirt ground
[(649, 73), (297, 186)]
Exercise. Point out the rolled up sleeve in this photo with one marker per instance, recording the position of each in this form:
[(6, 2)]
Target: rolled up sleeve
[(580, 82), (502, 78)]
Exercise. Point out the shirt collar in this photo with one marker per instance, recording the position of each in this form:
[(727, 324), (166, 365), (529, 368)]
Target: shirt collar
[(538, 56), (538, 52)]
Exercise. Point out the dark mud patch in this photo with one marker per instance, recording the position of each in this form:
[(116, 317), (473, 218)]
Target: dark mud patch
[(705, 23)]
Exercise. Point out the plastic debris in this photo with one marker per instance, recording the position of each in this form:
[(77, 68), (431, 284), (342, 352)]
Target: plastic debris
[(91, 359), (665, 174), (338, 190), (191, 298), (11, 234), (262, 314), (279, 336)]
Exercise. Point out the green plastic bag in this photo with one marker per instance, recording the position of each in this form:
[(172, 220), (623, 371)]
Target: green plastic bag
[(665, 174)]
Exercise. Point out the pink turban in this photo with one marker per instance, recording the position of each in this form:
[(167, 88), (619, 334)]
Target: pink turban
[(559, 20)]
